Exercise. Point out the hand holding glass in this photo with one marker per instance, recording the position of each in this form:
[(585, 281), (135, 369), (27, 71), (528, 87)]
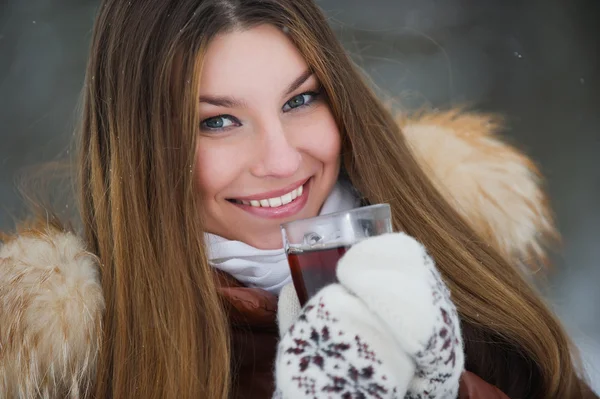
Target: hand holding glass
[(314, 246)]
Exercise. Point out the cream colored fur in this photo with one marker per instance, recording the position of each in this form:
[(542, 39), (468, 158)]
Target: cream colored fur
[(494, 186), (51, 300), (50, 310)]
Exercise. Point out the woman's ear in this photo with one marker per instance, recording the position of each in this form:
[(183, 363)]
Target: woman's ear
[(495, 187)]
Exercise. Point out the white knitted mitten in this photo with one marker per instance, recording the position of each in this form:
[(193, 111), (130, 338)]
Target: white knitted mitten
[(387, 330), (288, 308)]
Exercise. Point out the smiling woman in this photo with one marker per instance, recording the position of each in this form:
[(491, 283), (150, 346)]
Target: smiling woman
[(267, 135), (207, 124)]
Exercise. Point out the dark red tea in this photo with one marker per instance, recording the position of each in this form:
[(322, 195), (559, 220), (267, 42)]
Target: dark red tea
[(313, 270)]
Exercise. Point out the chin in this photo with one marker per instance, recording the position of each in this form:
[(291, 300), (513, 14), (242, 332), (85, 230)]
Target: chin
[(266, 243)]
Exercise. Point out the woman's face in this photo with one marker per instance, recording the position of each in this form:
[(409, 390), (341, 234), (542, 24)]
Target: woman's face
[(268, 146)]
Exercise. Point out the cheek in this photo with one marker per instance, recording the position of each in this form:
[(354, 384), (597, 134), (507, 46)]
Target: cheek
[(213, 173), (321, 138), (205, 173)]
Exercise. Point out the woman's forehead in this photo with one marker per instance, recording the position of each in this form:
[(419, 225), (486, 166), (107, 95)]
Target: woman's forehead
[(262, 58)]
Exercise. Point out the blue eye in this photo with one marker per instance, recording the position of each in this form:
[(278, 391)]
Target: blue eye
[(300, 100), (218, 122)]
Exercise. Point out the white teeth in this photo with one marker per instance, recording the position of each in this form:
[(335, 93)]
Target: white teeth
[(277, 201), (286, 199)]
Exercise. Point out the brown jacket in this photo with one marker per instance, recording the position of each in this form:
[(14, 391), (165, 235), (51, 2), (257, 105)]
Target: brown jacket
[(252, 313)]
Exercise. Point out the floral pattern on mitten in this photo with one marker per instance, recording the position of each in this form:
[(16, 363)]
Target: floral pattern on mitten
[(388, 330), (398, 281), (323, 356), (440, 361)]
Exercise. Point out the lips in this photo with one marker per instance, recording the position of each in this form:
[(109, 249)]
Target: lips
[(276, 204), (275, 195)]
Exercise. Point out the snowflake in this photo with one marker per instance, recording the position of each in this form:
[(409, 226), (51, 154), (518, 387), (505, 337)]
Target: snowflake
[(317, 348), (357, 384)]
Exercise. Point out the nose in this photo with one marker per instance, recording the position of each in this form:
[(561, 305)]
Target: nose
[(276, 155)]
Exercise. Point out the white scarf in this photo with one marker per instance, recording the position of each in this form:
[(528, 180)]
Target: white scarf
[(268, 268)]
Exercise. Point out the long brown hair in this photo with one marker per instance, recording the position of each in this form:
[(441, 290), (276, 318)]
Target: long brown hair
[(165, 332)]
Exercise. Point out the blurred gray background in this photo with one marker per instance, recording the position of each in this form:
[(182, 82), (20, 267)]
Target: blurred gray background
[(535, 61)]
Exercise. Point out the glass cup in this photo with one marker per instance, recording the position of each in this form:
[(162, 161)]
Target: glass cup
[(314, 246)]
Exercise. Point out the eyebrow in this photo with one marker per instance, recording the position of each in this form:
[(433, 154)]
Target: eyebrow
[(299, 80), (230, 102), (223, 101)]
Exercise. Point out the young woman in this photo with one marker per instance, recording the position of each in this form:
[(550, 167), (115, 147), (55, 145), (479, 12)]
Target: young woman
[(207, 124)]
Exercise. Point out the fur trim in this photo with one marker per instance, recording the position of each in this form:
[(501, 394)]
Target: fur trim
[(51, 300), (51, 305), (495, 187)]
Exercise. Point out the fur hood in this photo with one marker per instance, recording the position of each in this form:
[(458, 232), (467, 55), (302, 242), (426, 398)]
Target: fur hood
[(51, 299)]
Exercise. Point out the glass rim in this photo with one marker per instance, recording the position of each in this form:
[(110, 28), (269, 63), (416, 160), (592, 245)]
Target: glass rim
[(335, 214)]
